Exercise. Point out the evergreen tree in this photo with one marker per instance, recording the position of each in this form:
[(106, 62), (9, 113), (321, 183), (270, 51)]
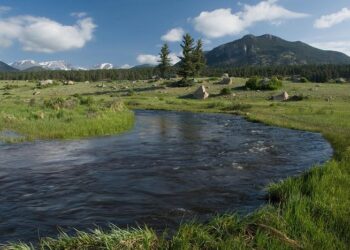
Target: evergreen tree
[(186, 66), (164, 62), (198, 58)]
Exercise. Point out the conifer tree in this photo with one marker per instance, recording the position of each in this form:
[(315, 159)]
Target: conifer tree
[(198, 58), (186, 66), (164, 62)]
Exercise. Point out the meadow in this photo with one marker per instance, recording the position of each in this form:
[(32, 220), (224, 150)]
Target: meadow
[(310, 211)]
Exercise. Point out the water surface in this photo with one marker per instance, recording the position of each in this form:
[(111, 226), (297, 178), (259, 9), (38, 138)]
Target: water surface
[(169, 167)]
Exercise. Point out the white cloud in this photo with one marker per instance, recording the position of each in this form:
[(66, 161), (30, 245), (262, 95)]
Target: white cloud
[(78, 14), (125, 66), (223, 22), (147, 59), (174, 58), (4, 9), (342, 46), (173, 35), (154, 60), (330, 20), (41, 34)]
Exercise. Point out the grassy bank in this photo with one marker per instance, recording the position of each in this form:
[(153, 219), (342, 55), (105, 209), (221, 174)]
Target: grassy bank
[(61, 117), (311, 211)]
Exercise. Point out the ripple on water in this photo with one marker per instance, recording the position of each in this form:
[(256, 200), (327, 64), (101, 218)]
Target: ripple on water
[(171, 167)]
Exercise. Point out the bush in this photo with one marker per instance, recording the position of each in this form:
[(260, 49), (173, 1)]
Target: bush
[(252, 83), (54, 103), (226, 91), (304, 80), (87, 100), (255, 83)]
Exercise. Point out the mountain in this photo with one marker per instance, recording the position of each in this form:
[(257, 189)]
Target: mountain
[(56, 65), (6, 68), (143, 66), (103, 66), (49, 65), (24, 64), (271, 50)]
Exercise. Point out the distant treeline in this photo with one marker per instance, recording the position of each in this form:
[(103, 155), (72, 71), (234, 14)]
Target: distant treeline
[(315, 73)]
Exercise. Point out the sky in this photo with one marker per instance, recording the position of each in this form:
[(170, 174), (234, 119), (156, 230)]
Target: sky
[(131, 32)]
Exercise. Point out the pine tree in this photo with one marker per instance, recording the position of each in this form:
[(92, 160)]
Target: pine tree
[(164, 62), (186, 66), (198, 58)]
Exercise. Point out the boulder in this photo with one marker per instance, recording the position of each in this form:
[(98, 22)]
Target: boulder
[(281, 97), (226, 81), (87, 82), (45, 82), (201, 93), (340, 80), (68, 83), (225, 75)]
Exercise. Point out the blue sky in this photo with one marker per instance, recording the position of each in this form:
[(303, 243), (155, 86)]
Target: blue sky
[(88, 32)]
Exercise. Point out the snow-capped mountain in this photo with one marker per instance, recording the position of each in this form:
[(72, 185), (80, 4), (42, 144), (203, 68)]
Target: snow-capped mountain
[(24, 64), (51, 65), (103, 66), (56, 65)]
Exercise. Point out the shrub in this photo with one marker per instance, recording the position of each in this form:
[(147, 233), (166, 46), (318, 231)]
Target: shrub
[(252, 83), (255, 83), (273, 84), (304, 80), (226, 91), (87, 100), (54, 103)]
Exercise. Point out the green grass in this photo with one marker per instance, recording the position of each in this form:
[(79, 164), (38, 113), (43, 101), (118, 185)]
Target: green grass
[(311, 211), (63, 118)]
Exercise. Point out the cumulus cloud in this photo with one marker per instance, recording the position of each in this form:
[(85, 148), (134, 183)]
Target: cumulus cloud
[(147, 59), (223, 22), (173, 35), (342, 46), (154, 60), (125, 66), (40, 34), (78, 14), (330, 20)]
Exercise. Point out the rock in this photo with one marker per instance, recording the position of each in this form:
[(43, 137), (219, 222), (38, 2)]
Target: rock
[(226, 81), (225, 75), (281, 97), (36, 93), (340, 80), (201, 93), (68, 83), (87, 82), (45, 82)]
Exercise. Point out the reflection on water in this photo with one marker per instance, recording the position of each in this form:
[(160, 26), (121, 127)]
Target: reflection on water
[(171, 166)]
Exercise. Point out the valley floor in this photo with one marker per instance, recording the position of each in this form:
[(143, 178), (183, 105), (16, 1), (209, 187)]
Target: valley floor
[(311, 211)]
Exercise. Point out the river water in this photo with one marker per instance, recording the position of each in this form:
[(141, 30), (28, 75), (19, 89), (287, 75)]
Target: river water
[(171, 167)]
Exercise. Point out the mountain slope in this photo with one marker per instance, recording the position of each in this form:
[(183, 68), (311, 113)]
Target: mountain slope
[(271, 50), (6, 68)]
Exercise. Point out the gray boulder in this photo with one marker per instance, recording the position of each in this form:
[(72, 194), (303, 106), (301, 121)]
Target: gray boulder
[(201, 93)]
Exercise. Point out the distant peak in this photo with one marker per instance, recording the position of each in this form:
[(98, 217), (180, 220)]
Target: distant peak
[(249, 36)]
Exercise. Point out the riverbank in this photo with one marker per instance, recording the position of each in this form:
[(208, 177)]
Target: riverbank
[(310, 211)]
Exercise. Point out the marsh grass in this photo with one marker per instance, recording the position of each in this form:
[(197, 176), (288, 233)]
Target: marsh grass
[(310, 211), (64, 118)]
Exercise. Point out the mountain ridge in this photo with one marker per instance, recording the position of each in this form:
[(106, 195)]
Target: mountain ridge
[(267, 50)]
